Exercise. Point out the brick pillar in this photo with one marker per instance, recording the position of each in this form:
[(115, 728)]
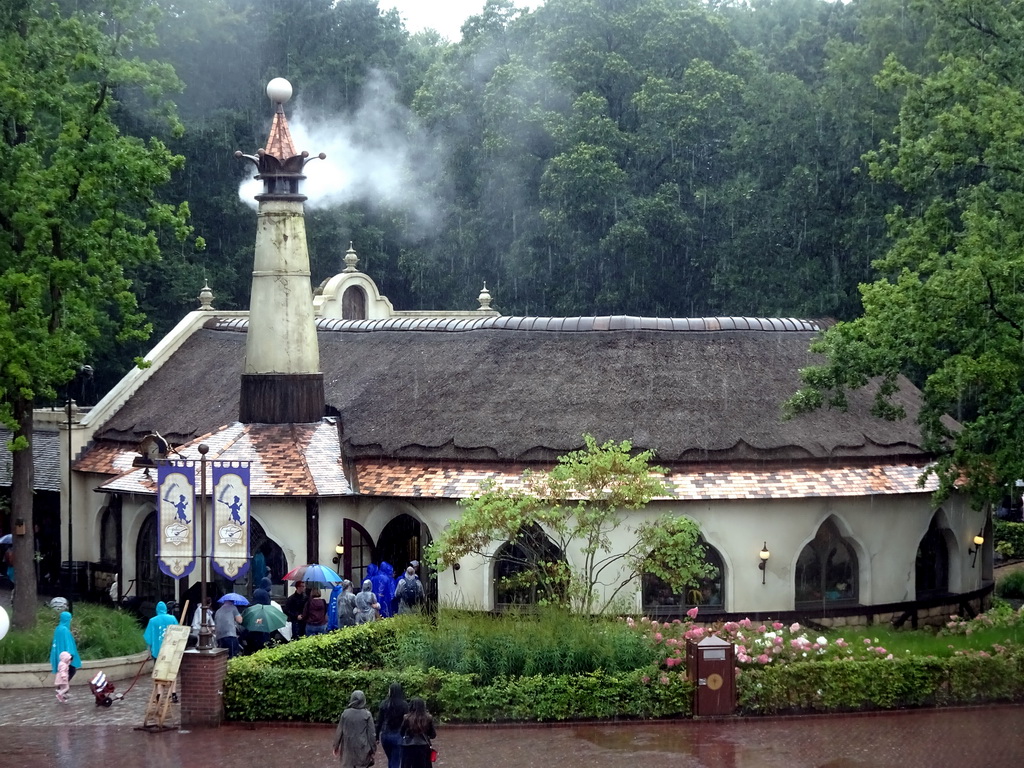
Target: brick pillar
[(201, 687)]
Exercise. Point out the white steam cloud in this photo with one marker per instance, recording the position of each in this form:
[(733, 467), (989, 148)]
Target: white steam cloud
[(378, 154)]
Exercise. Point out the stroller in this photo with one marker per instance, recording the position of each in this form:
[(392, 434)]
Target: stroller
[(101, 688)]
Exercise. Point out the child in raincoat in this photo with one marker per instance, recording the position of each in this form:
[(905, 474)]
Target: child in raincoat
[(62, 681)]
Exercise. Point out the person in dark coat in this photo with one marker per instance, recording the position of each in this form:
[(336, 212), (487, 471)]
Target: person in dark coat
[(294, 607), (355, 739), (417, 734), (390, 714)]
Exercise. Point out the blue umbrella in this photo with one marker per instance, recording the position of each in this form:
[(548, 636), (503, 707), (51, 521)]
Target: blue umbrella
[(233, 597), (313, 572)]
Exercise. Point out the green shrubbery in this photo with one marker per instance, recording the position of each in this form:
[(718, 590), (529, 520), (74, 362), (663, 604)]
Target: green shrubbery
[(253, 692), (1008, 538), (846, 686), (468, 668), (1011, 587), (100, 633), (477, 668)]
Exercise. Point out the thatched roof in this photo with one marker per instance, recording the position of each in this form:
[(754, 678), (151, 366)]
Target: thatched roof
[(525, 389)]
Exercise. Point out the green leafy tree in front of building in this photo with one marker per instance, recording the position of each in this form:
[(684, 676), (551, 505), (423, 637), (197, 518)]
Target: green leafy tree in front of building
[(574, 509), (78, 207)]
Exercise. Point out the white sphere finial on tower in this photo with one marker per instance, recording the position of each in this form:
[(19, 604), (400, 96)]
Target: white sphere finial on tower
[(279, 90)]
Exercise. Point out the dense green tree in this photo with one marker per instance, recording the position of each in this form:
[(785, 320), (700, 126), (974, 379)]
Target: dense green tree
[(77, 209), (949, 309)]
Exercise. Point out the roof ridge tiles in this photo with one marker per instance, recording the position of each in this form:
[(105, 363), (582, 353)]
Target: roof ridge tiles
[(574, 324)]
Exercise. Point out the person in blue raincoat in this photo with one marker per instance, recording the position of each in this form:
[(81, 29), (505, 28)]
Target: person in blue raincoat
[(384, 587), (154, 634), (63, 640)]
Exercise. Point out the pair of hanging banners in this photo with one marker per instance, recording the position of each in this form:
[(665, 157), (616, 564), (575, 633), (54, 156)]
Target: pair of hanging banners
[(178, 518)]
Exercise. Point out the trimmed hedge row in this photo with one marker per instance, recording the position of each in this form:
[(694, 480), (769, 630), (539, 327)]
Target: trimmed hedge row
[(258, 692), (311, 680), (368, 646), (847, 686)]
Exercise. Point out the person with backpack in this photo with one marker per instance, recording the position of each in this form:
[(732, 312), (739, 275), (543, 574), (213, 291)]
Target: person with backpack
[(409, 592)]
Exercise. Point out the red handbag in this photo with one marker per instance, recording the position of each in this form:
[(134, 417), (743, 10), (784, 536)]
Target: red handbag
[(433, 755)]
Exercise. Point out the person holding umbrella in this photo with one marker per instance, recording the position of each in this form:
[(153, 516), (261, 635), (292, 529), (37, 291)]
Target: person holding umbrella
[(226, 621), (257, 636)]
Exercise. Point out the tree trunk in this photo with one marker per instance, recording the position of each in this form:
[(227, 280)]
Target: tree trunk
[(22, 482)]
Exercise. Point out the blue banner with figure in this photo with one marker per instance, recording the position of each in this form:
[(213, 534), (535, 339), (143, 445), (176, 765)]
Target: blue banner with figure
[(231, 519), (176, 517)]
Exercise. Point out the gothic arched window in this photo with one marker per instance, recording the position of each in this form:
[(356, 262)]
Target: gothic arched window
[(709, 595), (826, 571)]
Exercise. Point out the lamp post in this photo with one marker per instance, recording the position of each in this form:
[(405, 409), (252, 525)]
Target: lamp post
[(205, 635), (69, 407), (763, 565)]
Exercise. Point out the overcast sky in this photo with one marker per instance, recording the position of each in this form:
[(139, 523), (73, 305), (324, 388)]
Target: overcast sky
[(446, 16)]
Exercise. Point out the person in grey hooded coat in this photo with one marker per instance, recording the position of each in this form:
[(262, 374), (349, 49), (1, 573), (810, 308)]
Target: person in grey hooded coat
[(366, 604), (356, 738)]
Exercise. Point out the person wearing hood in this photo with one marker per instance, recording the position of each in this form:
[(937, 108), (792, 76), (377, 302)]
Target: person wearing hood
[(366, 604), (346, 605), (62, 681), (154, 634), (355, 739), (64, 641), (384, 588)]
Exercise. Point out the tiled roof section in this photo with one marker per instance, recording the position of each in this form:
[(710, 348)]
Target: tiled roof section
[(458, 482), (107, 458), (285, 459), (552, 324), (45, 460), (279, 143)]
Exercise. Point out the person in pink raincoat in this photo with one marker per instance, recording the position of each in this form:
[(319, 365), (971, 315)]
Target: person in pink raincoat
[(63, 681)]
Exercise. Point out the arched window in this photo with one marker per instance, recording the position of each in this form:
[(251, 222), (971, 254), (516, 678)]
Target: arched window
[(110, 534), (931, 568), (826, 571), (150, 582), (709, 595), (528, 570), (353, 303)]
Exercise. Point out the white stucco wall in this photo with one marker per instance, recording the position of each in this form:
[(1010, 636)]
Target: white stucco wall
[(884, 530)]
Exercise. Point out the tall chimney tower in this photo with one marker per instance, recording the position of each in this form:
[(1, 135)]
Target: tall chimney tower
[(281, 381)]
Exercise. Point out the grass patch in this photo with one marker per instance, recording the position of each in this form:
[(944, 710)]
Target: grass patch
[(100, 633)]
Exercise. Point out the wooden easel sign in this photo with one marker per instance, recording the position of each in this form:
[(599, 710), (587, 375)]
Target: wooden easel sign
[(165, 672)]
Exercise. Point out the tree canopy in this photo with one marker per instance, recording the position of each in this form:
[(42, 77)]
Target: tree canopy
[(78, 209), (948, 310)]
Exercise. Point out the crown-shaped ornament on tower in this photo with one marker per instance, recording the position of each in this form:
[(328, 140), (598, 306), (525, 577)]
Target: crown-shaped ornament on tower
[(279, 165)]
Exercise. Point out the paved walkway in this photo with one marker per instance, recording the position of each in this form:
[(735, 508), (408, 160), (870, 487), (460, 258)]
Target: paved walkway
[(36, 731)]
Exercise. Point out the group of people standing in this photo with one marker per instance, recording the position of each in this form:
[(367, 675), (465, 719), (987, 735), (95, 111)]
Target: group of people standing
[(404, 729), (379, 596)]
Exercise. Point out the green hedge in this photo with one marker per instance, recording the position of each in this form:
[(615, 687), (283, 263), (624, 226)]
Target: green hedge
[(1008, 538), (367, 646), (845, 686), (257, 692)]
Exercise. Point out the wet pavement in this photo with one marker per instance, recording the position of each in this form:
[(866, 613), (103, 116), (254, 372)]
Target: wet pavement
[(36, 731)]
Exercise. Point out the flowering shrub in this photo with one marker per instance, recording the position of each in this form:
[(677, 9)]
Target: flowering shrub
[(756, 644)]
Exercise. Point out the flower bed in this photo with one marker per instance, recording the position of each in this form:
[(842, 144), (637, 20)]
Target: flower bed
[(787, 668)]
